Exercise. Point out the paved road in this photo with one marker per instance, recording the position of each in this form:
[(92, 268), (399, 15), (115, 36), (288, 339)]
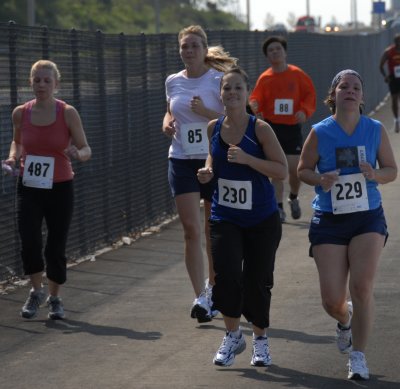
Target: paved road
[(128, 321)]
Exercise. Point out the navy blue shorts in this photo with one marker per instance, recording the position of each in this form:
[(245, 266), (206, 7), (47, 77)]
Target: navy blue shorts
[(328, 228), (182, 178)]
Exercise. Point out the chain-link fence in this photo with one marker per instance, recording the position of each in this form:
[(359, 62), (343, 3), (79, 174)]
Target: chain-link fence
[(117, 84)]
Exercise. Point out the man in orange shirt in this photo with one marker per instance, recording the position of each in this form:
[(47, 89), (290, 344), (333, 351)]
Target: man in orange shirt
[(285, 97), (391, 57)]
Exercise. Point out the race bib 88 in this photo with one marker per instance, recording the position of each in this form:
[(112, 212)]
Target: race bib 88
[(283, 107)]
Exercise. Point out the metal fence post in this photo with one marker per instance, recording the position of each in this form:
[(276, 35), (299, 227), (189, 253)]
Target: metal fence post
[(123, 63), (45, 42), (107, 144), (76, 76), (12, 50)]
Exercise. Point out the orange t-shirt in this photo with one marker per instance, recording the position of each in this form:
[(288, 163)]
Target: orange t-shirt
[(281, 95)]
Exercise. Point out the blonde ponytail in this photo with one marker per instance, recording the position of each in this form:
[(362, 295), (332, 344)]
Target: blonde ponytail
[(219, 59)]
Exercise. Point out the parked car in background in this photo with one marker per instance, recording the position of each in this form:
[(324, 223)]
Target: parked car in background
[(331, 27), (279, 27), (391, 22), (305, 24)]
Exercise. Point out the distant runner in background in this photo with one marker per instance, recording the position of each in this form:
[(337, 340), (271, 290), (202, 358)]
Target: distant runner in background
[(285, 97), (391, 61)]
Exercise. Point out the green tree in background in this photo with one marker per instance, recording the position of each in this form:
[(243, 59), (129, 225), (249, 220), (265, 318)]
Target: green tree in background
[(127, 16)]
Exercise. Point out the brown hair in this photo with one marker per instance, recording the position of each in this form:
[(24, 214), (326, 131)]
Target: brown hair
[(240, 71), (216, 56), (330, 101), (273, 39)]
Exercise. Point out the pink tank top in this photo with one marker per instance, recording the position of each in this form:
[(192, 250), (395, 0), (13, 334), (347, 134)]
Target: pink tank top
[(47, 141), (393, 59)]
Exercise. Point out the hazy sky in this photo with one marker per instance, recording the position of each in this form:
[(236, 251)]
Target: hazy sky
[(326, 9)]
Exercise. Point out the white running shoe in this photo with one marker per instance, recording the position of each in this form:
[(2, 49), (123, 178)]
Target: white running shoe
[(358, 369), (200, 309), (230, 346), (343, 335), (208, 290), (261, 355)]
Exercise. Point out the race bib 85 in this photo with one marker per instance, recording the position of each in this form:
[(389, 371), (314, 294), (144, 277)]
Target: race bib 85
[(194, 138)]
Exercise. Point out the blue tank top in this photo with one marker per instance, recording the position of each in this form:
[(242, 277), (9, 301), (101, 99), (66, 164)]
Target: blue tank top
[(242, 196), (338, 150)]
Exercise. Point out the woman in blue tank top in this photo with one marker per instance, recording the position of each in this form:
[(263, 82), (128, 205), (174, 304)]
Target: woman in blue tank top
[(245, 227), (348, 229)]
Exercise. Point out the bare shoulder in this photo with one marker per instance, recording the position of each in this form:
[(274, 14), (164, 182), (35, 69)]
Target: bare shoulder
[(17, 114), (71, 115), (18, 110), (70, 110), (263, 130), (311, 141), (210, 127), (386, 52)]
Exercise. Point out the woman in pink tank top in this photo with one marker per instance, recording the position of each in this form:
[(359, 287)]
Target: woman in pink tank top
[(47, 134)]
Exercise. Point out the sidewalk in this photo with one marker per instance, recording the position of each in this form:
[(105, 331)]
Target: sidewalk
[(128, 324)]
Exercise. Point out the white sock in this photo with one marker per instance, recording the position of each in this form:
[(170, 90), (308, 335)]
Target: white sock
[(37, 290), (236, 333), (256, 336), (347, 325)]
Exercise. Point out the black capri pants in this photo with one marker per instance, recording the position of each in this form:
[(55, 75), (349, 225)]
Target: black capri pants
[(244, 261), (55, 206)]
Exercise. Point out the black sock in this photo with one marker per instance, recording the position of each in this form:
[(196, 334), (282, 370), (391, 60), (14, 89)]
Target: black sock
[(292, 196), (280, 205)]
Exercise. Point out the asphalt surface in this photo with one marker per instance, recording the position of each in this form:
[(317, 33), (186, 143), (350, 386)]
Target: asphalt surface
[(128, 323)]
